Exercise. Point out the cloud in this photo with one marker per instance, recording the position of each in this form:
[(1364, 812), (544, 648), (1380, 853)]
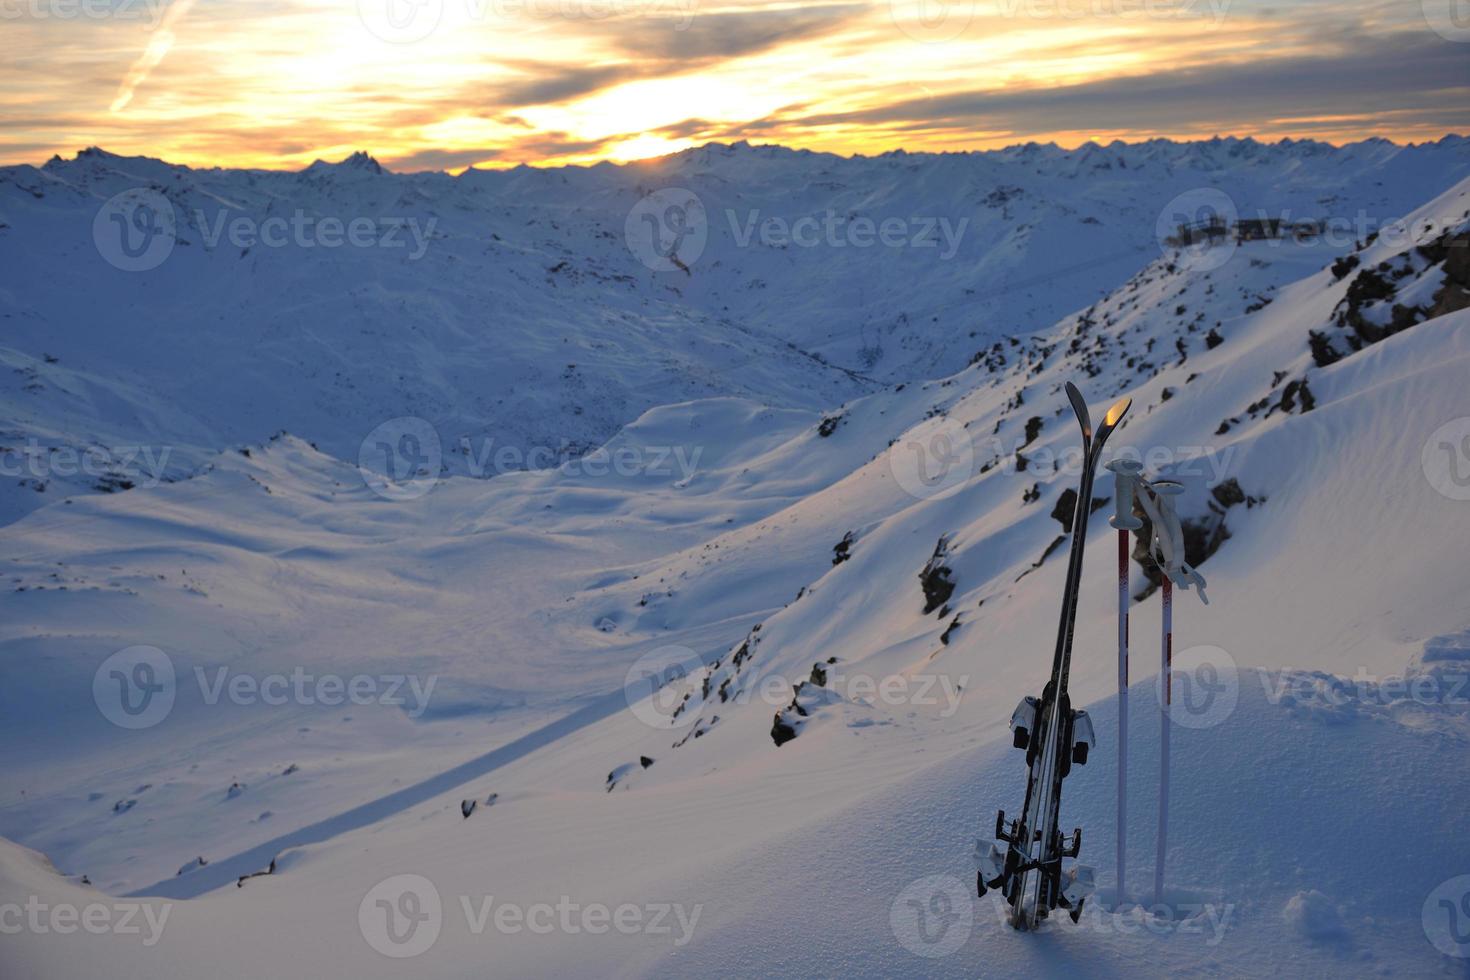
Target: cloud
[(554, 83), (561, 144), (652, 49), (1372, 77), (430, 159), (720, 37)]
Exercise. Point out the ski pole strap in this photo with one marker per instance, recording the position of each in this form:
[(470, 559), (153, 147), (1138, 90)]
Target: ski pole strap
[(1159, 543), (1167, 544)]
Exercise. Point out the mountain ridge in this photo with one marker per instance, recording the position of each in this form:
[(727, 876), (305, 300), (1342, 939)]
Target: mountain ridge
[(367, 159)]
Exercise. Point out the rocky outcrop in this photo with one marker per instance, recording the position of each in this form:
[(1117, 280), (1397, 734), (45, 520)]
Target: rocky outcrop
[(937, 578)]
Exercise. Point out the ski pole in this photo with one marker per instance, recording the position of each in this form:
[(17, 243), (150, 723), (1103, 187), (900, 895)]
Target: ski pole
[(1122, 714), (1167, 550), (1126, 474), (1167, 651)]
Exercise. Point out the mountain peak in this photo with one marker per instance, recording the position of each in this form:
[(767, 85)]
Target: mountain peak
[(92, 153), (362, 160), (359, 162)]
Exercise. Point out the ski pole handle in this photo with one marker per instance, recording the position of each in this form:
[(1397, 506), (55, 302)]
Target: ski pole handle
[(1126, 474)]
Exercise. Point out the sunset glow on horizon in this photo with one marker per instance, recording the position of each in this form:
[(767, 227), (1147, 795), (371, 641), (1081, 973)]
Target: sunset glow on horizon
[(446, 84)]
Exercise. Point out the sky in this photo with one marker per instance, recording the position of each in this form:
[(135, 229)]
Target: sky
[(446, 84)]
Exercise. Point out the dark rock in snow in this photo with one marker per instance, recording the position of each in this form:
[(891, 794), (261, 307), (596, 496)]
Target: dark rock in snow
[(619, 775), (1343, 266), (1297, 392), (936, 578), (840, 551), (198, 862), (270, 870), (1228, 493), (1323, 353), (1056, 543), (1066, 505), (700, 729)]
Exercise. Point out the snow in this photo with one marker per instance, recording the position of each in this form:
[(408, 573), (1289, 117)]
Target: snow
[(518, 619), (1313, 915), (543, 329)]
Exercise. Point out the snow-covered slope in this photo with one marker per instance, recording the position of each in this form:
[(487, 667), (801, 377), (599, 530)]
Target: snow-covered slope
[(525, 308), (1308, 419)]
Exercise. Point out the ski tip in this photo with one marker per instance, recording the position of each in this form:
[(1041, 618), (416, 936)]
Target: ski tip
[(1079, 408), (1117, 411)]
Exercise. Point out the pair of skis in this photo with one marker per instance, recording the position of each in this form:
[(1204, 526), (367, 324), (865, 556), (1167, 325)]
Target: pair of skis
[(1028, 871)]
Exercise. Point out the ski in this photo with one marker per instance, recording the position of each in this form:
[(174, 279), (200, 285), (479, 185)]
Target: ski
[(1029, 870)]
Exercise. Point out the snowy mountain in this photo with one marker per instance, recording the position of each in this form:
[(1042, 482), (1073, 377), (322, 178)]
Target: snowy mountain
[(528, 309), (746, 668)]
